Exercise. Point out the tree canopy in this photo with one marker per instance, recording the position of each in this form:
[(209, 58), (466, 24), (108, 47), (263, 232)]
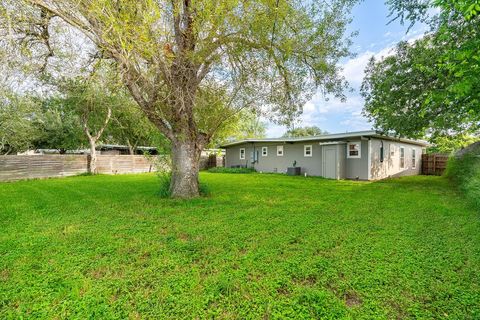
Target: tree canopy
[(431, 86), (305, 132), (17, 130), (58, 125), (243, 125)]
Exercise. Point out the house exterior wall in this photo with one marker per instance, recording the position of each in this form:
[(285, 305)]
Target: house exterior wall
[(342, 158), (273, 163), (348, 168), (312, 166), (357, 168), (390, 167), (232, 156)]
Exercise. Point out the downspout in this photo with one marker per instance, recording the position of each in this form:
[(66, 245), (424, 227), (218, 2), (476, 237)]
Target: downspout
[(369, 161), (253, 162)]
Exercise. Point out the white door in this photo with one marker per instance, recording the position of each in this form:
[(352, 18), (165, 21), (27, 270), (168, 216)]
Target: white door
[(330, 162)]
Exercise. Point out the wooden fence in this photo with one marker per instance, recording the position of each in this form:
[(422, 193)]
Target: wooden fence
[(50, 166), (211, 161), (434, 164)]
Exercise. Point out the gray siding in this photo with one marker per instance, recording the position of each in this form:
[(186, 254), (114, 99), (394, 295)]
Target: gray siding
[(348, 168), (342, 156), (232, 156), (357, 168), (273, 163)]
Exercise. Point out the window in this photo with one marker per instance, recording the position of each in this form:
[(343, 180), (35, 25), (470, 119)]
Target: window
[(354, 150), (264, 151), (402, 157), (392, 150), (414, 158), (307, 151), (280, 151), (242, 153)]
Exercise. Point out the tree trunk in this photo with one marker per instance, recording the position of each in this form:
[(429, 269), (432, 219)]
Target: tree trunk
[(92, 163), (131, 149), (185, 167)]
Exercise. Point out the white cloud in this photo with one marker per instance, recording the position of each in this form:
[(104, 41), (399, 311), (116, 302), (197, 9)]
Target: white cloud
[(274, 130), (356, 123), (309, 107), (337, 116), (353, 68)]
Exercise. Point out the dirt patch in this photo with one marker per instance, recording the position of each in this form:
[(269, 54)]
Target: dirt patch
[(283, 290), (4, 274), (184, 237), (98, 273), (352, 299)]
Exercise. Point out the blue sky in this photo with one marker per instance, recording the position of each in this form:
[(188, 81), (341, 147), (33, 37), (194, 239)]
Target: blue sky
[(376, 37)]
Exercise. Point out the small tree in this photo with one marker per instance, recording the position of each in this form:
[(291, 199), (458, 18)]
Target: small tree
[(93, 99)]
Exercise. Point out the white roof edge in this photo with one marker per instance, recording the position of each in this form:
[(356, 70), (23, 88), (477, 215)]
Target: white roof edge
[(331, 143), (369, 133)]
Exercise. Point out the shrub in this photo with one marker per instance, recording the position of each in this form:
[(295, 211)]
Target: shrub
[(464, 170), (231, 170), (165, 178)]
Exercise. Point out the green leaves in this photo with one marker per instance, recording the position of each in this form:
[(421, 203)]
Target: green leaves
[(305, 132), (431, 86), (17, 131)]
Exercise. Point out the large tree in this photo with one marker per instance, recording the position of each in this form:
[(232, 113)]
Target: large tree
[(175, 56), (430, 86)]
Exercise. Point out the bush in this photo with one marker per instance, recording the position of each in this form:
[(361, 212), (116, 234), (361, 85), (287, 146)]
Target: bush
[(231, 170), (165, 178), (465, 172)]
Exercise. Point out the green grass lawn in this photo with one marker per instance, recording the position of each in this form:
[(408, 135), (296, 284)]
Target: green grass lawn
[(258, 247)]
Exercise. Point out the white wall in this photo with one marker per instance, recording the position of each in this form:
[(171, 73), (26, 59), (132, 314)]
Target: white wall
[(390, 167)]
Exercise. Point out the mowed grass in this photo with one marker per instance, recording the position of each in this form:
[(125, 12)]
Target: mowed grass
[(258, 247)]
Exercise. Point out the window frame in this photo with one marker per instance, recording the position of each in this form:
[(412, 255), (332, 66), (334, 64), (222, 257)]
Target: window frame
[(244, 153), (282, 152), (392, 150), (264, 151), (414, 158), (359, 156), (305, 150), (402, 158)]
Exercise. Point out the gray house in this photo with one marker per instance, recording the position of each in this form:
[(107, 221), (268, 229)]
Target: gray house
[(364, 155)]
